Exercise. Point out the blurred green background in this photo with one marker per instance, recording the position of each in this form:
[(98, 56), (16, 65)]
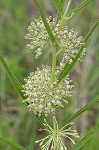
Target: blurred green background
[(16, 122)]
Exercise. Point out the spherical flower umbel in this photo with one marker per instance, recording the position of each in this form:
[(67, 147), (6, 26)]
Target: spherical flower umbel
[(43, 96), (68, 41)]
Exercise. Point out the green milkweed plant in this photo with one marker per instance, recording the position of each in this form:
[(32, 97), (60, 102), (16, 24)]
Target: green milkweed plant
[(50, 87)]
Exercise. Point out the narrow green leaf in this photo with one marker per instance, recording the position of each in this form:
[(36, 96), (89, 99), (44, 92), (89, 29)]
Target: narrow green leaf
[(91, 31), (10, 142), (68, 68), (14, 80), (59, 9), (61, 3), (79, 112), (79, 7), (16, 84), (52, 39), (86, 138)]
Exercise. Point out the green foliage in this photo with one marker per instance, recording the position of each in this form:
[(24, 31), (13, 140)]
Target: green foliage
[(61, 3), (10, 142), (79, 7), (82, 110), (15, 82), (57, 5), (86, 138), (92, 143)]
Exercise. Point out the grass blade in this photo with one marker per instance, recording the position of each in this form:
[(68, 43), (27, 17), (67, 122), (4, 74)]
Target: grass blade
[(52, 39), (79, 7), (68, 68), (10, 142), (14, 80), (79, 112), (86, 138)]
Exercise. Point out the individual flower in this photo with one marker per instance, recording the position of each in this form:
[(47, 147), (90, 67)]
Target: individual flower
[(55, 137), (43, 96), (68, 41)]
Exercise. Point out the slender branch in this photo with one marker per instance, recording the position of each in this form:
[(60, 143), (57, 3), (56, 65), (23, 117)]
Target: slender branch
[(53, 62)]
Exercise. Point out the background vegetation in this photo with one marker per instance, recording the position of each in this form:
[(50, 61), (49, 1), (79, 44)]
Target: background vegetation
[(15, 120)]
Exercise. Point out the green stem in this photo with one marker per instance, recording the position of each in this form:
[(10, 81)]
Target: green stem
[(53, 62)]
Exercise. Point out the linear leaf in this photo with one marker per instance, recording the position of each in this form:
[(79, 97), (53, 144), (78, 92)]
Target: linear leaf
[(61, 3), (68, 68), (57, 5), (14, 80), (91, 31), (10, 142), (79, 112), (79, 7), (16, 83), (52, 39), (86, 138)]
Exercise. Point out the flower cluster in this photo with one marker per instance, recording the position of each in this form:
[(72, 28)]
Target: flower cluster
[(70, 45), (43, 96), (54, 140), (68, 41)]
